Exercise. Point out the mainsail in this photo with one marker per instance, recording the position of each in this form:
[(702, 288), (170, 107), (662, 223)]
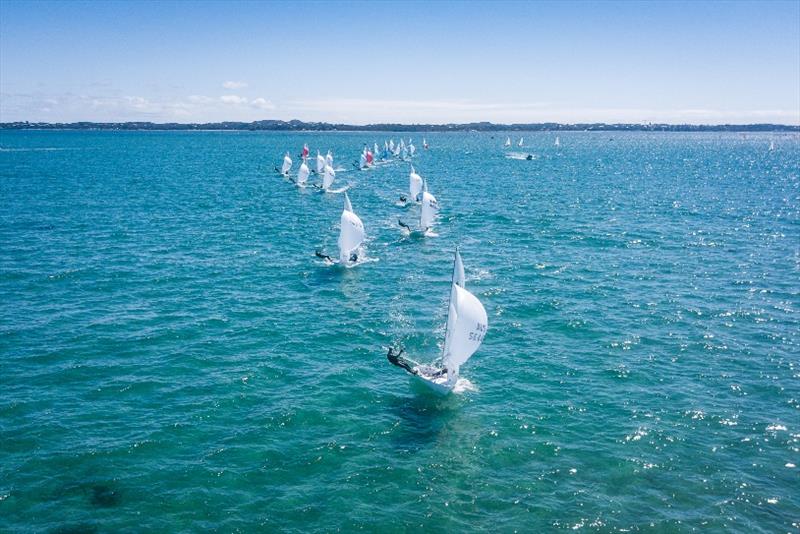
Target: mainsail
[(428, 209), (327, 177), (320, 163), (414, 184), (302, 173), (287, 164)]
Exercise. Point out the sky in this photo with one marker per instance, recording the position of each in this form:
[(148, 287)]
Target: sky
[(409, 62)]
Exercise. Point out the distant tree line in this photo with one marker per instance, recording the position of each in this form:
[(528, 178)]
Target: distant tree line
[(300, 126)]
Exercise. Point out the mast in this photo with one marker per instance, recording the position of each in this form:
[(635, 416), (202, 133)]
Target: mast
[(449, 304)]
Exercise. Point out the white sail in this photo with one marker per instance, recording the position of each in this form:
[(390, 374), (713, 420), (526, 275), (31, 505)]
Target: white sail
[(327, 177), (771, 146), (466, 331), (458, 271), (320, 163), (391, 145), (362, 163), (414, 184), (508, 141), (520, 141), (302, 173), (411, 147), (558, 141), (329, 159), (351, 233), (375, 150), (287, 164), (427, 212)]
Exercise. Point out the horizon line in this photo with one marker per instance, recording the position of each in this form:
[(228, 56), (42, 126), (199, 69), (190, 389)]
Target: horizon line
[(296, 124)]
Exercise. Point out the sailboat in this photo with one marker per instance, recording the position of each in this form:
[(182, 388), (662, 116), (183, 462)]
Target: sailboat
[(427, 212), (771, 146), (508, 141), (304, 153), (520, 142), (302, 173), (424, 143), (351, 234), (466, 327), (411, 148), (328, 175), (320, 163), (287, 165), (414, 186), (558, 142), (329, 159)]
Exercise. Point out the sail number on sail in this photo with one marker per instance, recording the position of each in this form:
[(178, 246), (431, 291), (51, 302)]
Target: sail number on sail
[(478, 333)]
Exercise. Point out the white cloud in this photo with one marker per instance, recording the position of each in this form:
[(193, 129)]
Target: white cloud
[(233, 99), (200, 99), (262, 103), (232, 85)]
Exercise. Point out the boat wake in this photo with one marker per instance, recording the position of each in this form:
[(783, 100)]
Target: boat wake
[(521, 156), (463, 385)]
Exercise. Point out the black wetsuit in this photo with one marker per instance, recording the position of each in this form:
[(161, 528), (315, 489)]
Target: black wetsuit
[(395, 359), (323, 256), (404, 225)]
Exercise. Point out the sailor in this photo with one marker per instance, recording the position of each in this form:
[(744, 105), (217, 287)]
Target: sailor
[(319, 254), (394, 359), (404, 225)]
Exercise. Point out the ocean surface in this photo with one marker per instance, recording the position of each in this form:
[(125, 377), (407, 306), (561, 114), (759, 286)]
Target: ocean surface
[(174, 358)]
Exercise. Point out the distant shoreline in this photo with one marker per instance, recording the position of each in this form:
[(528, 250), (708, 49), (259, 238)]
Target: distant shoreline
[(300, 126)]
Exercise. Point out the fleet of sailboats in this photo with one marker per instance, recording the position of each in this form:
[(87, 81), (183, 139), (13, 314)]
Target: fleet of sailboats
[(466, 317)]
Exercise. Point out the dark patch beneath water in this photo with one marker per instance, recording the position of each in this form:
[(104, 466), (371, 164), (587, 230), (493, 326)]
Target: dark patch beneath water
[(80, 528), (104, 496)]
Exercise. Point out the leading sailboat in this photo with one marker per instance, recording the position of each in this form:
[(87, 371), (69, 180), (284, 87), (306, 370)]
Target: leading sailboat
[(466, 327)]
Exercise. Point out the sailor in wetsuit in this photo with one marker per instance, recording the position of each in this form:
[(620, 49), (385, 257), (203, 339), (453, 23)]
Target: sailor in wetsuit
[(399, 361), (319, 254)]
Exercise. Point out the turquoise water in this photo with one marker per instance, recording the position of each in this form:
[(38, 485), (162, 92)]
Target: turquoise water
[(174, 358)]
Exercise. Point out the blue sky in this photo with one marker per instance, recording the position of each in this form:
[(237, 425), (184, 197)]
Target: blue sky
[(694, 62)]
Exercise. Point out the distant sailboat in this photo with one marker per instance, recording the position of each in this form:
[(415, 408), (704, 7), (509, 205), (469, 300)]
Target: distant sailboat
[(771, 146), (424, 143), (508, 141), (328, 175), (320, 163), (558, 142), (414, 185), (329, 159), (520, 142), (304, 154), (467, 324), (411, 148), (302, 173), (287, 165), (351, 234), (428, 209), (427, 212)]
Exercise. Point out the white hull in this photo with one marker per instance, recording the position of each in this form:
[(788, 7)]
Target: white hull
[(439, 385)]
